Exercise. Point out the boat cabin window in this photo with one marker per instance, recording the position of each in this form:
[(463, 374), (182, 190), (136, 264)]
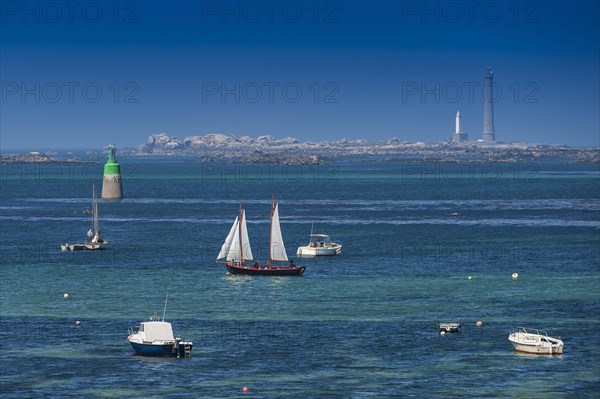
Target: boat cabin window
[(141, 327), (319, 238)]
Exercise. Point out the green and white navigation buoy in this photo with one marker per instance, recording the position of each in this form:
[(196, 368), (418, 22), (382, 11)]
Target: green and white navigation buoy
[(112, 188)]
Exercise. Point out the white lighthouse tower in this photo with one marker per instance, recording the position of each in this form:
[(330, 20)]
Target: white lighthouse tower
[(459, 136), (457, 123)]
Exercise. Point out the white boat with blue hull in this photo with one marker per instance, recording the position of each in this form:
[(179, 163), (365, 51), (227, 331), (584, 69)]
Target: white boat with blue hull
[(155, 338)]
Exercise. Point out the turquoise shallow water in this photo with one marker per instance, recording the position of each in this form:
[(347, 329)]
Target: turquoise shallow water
[(358, 325)]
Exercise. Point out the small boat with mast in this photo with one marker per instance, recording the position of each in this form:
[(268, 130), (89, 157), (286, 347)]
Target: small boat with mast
[(236, 252), (93, 240)]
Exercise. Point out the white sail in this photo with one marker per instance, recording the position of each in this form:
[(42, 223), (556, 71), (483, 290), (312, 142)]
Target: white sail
[(246, 239), (277, 246), (233, 252), (227, 244)]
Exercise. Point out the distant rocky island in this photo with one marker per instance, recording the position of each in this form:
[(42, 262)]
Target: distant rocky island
[(38, 157), (267, 149), (219, 147)]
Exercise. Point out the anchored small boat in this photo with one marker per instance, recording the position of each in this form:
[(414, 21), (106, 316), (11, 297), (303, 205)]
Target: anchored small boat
[(319, 245), (155, 338), (449, 327), (237, 253), (93, 241), (535, 341)]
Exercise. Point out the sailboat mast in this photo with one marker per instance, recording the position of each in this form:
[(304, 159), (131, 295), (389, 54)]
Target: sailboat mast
[(95, 208), (240, 234), (271, 229)]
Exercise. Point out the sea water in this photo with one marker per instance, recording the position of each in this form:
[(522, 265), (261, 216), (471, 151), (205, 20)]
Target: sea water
[(422, 243)]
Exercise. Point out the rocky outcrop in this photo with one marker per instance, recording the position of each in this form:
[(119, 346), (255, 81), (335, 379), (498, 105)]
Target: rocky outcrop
[(218, 147), (36, 157)]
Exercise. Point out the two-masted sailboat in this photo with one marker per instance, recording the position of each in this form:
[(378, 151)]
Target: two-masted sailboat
[(236, 252), (93, 240)]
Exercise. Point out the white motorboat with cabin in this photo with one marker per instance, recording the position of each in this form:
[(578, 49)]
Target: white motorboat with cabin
[(155, 338), (319, 245), (535, 341)]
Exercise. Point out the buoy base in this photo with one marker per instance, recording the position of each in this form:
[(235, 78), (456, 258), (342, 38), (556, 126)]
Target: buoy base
[(112, 187)]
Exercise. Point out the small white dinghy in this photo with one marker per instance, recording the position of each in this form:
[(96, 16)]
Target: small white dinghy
[(449, 327), (535, 341)]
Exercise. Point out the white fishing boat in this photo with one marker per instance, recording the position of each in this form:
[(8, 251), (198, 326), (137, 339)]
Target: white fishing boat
[(236, 252), (155, 338), (535, 341), (93, 240), (319, 245)]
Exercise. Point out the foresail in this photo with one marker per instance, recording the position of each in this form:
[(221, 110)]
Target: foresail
[(245, 239), (233, 251), (227, 244), (277, 246)]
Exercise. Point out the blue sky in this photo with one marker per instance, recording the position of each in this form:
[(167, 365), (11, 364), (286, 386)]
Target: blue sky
[(87, 74)]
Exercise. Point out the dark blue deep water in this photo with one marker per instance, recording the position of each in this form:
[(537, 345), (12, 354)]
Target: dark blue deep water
[(362, 324)]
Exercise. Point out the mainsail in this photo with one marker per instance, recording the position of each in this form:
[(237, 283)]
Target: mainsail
[(277, 246)]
